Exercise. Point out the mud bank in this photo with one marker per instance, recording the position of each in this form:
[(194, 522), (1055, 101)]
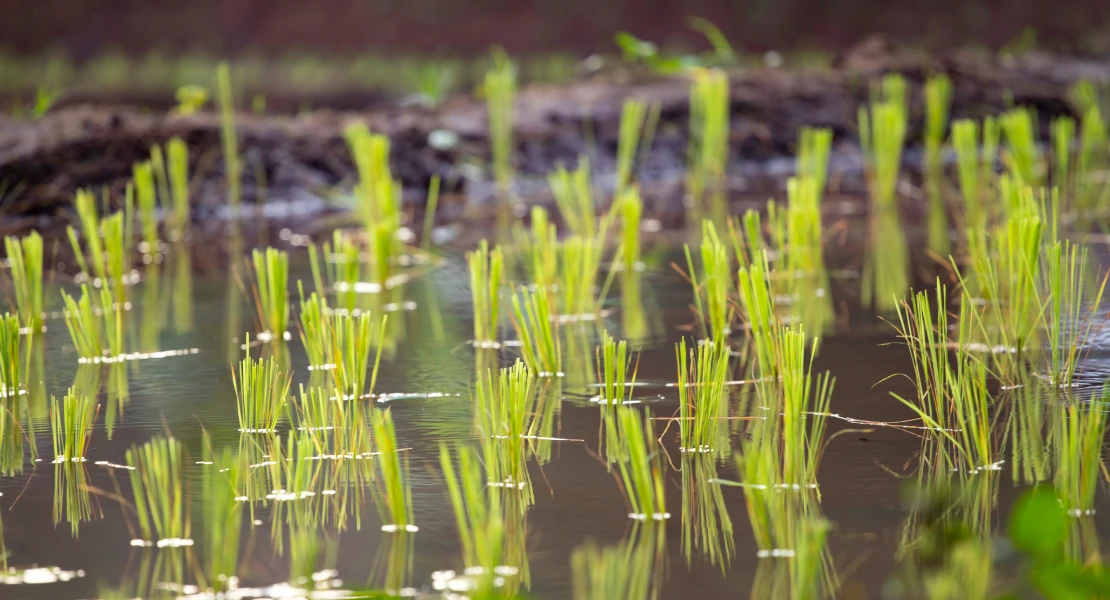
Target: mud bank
[(43, 162)]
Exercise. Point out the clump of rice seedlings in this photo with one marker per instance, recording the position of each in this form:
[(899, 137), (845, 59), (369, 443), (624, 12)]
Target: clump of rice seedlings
[(177, 153), (702, 376), (574, 196), (161, 498), (613, 363), (975, 160), (1067, 325), (107, 241), (706, 525), (712, 285), (542, 249), (487, 271), (538, 330), (146, 197), (478, 517), (938, 98), (392, 494), (637, 128), (812, 162), (580, 265), (504, 405), (1089, 192), (630, 208), (952, 395), (620, 571), (882, 132), (342, 269), (25, 262), (641, 475), (757, 303), (340, 344), (499, 89), (271, 284), (71, 424), (261, 390), (222, 514), (1023, 157), (85, 327), (805, 405), (708, 148), (379, 199), (1062, 131), (233, 163), (11, 356)]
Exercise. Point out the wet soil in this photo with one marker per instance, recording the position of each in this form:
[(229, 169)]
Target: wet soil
[(42, 163)]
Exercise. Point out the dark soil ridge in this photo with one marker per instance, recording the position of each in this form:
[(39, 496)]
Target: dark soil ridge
[(44, 162)]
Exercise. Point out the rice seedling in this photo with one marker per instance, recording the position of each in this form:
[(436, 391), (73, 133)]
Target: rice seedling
[(430, 204), (379, 198), (499, 89), (271, 281), (1089, 192), (538, 331), (12, 367), (702, 376), (85, 204), (756, 294), (613, 365), (340, 344), (579, 266), (261, 391), (25, 261), (478, 517), (222, 514), (805, 405), (812, 162), (708, 148), (177, 153), (146, 197), (882, 131), (108, 243), (620, 571), (938, 98), (1067, 325), (487, 270), (574, 196), (712, 285), (637, 129), (630, 208), (340, 268), (1062, 131), (161, 496), (71, 424), (233, 165), (85, 326), (392, 494), (706, 525), (541, 247), (975, 161), (641, 476), (1023, 157)]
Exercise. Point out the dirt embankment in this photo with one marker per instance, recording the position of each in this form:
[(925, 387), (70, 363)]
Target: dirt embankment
[(42, 163)]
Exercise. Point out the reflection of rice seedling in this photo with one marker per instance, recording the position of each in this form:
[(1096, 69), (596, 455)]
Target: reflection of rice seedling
[(160, 492), (636, 117), (71, 425), (233, 166), (271, 277), (938, 97), (222, 514), (499, 89), (975, 163), (708, 148), (1023, 157), (261, 391), (621, 571), (177, 151), (641, 475), (574, 196), (11, 357), (538, 331), (71, 495), (487, 270), (1079, 429), (1067, 326), (711, 287), (580, 265), (706, 524), (478, 517), (392, 494), (613, 364), (25, 260), (702, 374)]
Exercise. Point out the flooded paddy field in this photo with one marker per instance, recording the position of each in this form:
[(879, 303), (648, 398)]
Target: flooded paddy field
[(488, 351)]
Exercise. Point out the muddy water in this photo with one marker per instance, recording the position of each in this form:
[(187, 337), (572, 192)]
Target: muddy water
[(863, 475)]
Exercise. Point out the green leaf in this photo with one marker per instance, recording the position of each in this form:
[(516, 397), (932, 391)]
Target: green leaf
[(1038, 524)]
